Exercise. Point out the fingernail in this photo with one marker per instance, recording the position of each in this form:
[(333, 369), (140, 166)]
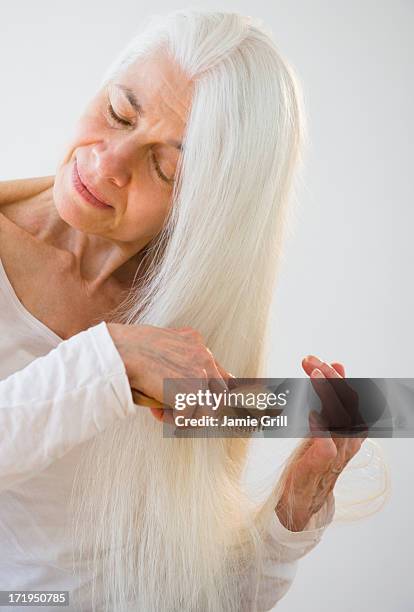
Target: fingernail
[(317, 373), (312, 360)]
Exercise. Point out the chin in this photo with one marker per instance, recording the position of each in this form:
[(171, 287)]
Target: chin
[(69, 211), (68, 205)]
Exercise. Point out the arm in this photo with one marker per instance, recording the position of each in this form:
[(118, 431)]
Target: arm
[(60, 400), (309, 480), (283, 549)]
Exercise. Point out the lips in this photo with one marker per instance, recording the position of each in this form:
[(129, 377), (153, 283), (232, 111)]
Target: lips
[(86, 191)]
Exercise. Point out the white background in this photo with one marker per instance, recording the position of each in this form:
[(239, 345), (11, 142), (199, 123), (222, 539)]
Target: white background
[(345, 290)]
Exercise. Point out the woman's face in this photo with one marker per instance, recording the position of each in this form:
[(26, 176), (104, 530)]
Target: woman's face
[(125, 150)]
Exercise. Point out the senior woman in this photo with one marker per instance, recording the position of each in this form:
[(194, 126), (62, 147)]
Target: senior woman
[(151, 254)]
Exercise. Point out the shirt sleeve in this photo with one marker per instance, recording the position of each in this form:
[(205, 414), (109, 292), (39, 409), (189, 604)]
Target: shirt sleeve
[(60, 400), (283, 549)]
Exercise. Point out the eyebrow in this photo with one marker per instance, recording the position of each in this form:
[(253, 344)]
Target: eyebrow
[(132, 99)]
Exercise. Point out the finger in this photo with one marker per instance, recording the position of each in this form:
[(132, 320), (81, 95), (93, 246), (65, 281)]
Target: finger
[(316, 423), (223, 372), (168, 417), (332, 409), (191, 410), (311, 362), (162, 414), (347, 396), (317, 427), (217, 385), (140, 399), (344, 391), (201, 410), (221, 375), (218, 380), (158, 413), (349, 399), (339, 367), (195, 410)]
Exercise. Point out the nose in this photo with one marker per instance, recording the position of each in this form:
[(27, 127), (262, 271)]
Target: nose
[(113, 161)]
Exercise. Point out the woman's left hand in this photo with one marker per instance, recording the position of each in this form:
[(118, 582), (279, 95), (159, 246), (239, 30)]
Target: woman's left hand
[(314, 474)]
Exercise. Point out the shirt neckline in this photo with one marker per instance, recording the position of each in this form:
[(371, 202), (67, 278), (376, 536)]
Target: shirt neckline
[(22, 310)]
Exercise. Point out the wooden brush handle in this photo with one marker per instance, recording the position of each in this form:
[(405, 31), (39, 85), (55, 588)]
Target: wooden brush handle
[(145, 400)]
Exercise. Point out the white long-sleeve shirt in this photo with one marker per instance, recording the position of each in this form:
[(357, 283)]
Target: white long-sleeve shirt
[(55, 395)]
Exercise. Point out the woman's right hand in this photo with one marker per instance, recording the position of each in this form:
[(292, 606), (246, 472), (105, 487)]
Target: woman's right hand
[(151, 354)]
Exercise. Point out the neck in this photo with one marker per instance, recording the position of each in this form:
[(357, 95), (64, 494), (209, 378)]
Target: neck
[(98, 260)]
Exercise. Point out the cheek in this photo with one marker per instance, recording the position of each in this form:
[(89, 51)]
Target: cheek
[(146, 212), (89, 125), (85, 132), (88, 129)]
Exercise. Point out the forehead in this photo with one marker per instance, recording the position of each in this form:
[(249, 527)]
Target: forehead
[(160, 85)]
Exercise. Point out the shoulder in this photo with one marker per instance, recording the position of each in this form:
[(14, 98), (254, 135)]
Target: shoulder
[(19, 189)]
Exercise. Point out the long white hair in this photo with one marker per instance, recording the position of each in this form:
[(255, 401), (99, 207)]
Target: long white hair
[(165, 522)]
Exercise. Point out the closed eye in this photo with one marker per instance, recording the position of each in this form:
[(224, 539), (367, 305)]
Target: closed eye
[(158, 170), (116, 117), (127, 123)]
